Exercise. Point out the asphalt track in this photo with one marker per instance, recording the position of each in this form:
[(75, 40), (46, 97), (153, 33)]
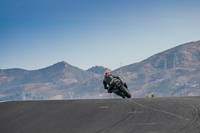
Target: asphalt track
[(145, 115)]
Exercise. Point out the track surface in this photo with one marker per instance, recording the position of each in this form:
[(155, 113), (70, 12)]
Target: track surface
[(148, 115)]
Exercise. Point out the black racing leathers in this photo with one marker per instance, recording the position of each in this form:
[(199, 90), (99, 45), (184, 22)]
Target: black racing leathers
[(109, 81)]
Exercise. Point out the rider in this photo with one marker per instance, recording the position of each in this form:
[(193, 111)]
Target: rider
[(109, 81)]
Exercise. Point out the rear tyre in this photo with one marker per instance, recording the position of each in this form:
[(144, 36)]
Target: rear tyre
[(125, 91)]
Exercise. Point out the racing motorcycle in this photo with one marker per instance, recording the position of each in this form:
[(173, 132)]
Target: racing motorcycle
[(120, 90)]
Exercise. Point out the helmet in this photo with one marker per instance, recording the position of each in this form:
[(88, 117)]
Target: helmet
[(107, 73)]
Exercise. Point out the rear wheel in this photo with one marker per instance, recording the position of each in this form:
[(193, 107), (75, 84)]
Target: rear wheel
[(125, 91)]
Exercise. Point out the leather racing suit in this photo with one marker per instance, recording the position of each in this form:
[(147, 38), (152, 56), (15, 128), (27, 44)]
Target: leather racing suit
[(109, 81)]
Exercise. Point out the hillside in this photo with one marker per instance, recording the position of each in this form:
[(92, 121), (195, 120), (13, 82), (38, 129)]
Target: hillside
[(99, 70), (59, 81), (174, 72)]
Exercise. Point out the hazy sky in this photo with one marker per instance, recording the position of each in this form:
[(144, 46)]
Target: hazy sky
[(35, 34)]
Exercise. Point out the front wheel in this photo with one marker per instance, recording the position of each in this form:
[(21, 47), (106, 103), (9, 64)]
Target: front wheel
[(125, 91)]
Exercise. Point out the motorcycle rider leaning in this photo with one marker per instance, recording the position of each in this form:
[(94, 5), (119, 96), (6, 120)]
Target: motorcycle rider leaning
[(109, 81)]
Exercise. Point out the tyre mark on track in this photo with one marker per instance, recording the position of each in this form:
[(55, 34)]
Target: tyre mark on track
[(162, 111), (125, 118), (121, 121), (194, 123), (178, 107)]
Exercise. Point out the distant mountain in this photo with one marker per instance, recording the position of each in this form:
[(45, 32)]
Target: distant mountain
[(59, 81), (174, 72), (99, 70)]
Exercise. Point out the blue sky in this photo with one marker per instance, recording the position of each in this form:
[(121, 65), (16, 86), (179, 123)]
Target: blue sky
[(35, 34)]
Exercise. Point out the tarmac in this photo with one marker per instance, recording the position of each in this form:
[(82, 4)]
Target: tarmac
[(136, 115)]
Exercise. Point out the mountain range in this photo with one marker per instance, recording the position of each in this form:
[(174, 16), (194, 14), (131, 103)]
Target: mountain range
[(174, 72)]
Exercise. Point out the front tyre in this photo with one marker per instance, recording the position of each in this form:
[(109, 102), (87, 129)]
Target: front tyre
[(125, 91)]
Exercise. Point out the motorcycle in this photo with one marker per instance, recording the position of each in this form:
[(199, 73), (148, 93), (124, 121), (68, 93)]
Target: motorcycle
[(121, 90)]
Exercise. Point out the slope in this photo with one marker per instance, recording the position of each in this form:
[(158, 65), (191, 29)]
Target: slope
[(59, 81), (174, 72)]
